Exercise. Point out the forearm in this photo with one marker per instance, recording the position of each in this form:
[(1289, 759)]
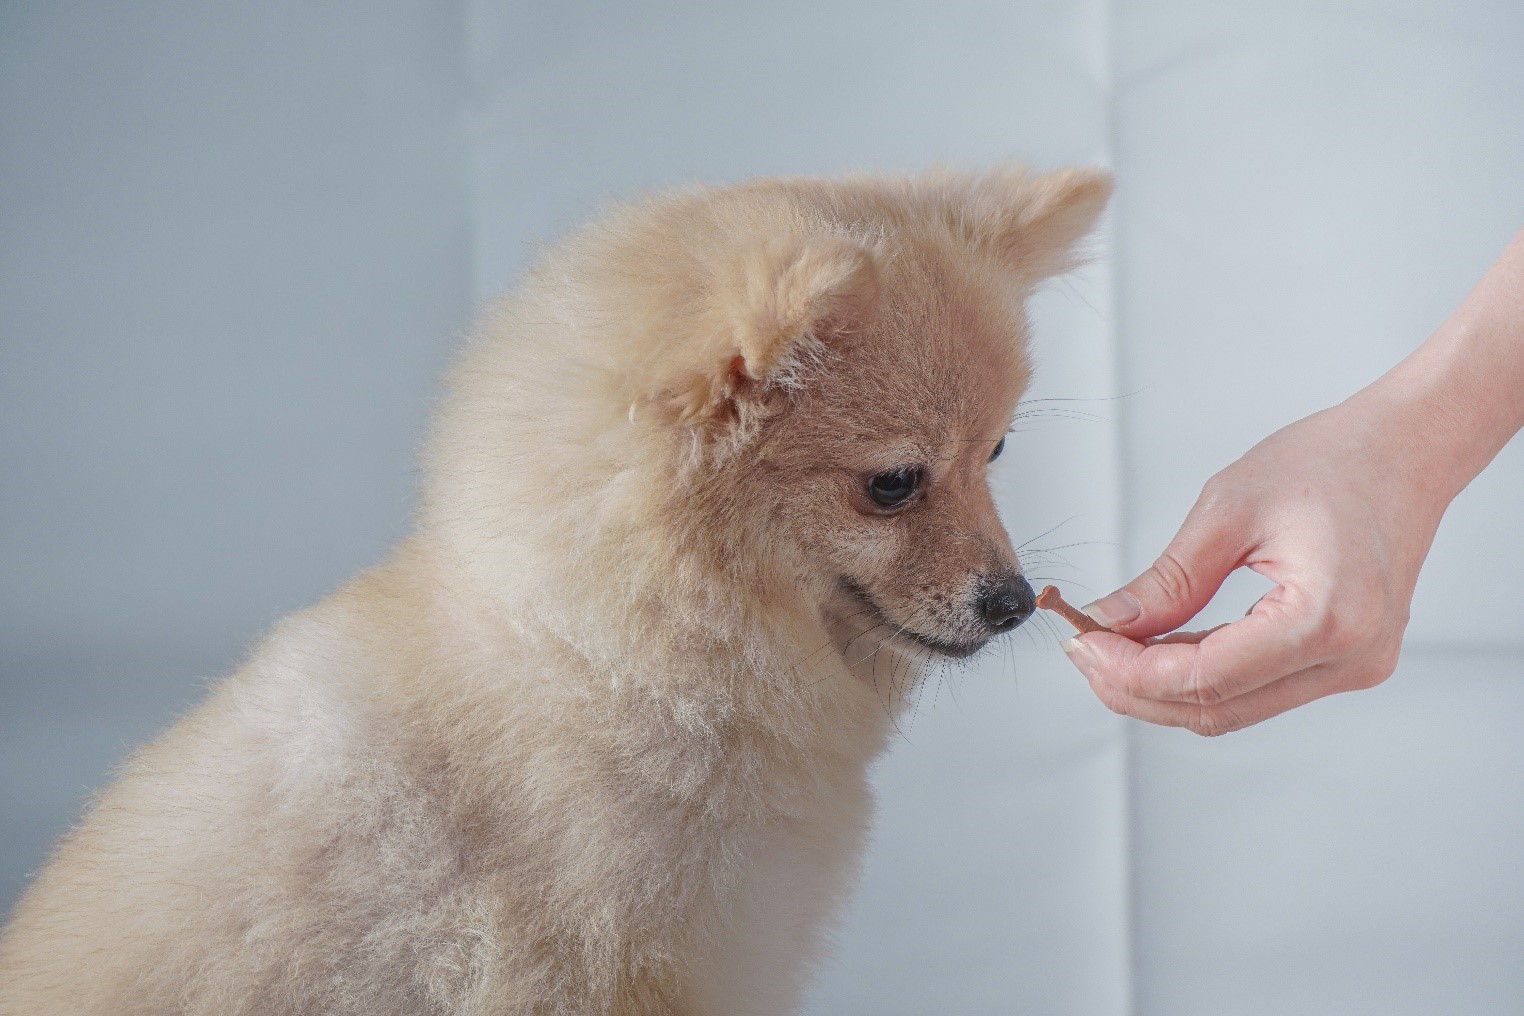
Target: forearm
[(1460, 395)]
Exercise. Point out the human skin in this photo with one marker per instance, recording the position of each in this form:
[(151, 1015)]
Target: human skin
[(1338, 510)]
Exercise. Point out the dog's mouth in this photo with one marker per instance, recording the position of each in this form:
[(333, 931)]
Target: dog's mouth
[(877, 617)]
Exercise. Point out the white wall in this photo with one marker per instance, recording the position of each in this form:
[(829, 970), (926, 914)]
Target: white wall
[(237, 246), (234, 246), (1307, 189)]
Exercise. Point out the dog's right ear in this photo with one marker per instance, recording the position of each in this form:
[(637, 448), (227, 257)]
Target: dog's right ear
[(1034, 223), (767, 316)]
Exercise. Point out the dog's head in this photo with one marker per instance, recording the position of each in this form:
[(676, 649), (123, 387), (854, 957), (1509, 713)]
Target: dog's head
[(789, 389), (860, 373)]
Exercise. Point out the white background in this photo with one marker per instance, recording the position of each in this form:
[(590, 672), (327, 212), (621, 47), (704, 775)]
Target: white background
[(236, 247)]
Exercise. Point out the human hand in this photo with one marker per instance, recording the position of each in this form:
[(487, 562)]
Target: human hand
[(1339, 511)]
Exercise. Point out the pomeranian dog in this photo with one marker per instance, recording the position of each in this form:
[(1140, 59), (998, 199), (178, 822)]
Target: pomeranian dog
[(595, 738)]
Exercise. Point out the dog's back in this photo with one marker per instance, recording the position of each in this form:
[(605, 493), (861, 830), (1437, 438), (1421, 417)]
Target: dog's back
[(273, 852)]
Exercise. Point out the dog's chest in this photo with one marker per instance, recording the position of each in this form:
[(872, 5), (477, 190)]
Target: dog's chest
[(772, 924)]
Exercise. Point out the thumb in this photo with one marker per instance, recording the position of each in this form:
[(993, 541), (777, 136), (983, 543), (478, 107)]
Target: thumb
[(1210, 544)]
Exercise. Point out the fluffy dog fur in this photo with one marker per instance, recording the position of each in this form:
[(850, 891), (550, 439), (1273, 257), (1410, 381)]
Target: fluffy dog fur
[(595, 738)]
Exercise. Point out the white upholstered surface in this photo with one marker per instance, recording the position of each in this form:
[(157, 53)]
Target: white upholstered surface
[(237, 247)]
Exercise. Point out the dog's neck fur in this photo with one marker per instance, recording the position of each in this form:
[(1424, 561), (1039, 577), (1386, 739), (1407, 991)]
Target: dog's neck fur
[(700, 636)]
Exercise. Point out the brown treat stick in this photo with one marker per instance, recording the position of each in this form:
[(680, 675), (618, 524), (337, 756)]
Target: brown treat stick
[(1049, 599)]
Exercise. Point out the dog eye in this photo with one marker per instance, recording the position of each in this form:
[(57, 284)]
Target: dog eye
[(893, 488), (999, 447)]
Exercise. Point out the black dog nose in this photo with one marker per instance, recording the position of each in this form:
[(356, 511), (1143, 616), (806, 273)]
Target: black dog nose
[(1007, 602)]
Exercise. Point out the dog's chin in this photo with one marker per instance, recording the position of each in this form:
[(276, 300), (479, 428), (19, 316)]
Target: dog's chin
[(870, 617)]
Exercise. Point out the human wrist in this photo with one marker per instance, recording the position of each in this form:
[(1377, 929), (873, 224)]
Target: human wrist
[(1459, 398), (1418, 414), (1454, 403)]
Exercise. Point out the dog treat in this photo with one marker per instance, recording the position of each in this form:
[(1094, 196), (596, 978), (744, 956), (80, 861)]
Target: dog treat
[(1049, 599)]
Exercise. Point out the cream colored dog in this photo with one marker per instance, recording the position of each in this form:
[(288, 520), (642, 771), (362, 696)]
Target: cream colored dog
[(595, 738)]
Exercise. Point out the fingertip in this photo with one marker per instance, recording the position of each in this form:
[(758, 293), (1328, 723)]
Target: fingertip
[(1086, 654), (1110, 643), (1098, 653), (1115, 610)]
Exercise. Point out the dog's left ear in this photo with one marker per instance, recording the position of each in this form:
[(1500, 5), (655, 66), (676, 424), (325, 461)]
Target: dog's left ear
[(1035, 223), (770, 313)]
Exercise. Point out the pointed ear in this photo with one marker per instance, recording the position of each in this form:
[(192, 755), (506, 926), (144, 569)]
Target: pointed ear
[(790, 293), (1036, 223), (770, 312)]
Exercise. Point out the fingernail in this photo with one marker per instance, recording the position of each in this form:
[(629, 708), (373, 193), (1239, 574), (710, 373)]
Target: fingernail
[(1074, 648), (1120, 607)]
